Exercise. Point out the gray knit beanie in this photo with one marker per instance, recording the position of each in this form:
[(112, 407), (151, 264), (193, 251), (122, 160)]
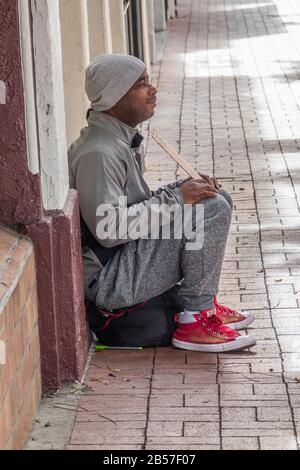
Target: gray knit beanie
[(109, 78)]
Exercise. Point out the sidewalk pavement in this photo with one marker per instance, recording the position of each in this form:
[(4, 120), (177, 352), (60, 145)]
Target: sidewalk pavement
[(229, 97)]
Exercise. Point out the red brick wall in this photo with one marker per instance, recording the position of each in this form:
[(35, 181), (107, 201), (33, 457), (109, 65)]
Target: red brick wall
[(20, 376)]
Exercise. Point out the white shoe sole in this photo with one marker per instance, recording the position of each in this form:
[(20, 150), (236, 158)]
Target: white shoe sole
[(241, 325), (242, 342)]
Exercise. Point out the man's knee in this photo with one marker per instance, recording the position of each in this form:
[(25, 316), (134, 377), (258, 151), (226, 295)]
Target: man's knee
[(226, 196), (219, 208)]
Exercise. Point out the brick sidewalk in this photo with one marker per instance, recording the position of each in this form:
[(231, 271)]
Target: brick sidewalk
[(229, 99)]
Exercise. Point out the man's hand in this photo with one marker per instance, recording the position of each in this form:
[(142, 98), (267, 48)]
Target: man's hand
[(211, 180), (195, 190)]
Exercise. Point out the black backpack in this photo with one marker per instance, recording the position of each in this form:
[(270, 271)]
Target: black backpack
[(148, 324)]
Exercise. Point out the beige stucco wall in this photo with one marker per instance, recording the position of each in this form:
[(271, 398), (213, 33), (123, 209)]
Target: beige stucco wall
[(118, 34), (100, 39), (151, 32), (76, 57), (159, 15), (145, 32)]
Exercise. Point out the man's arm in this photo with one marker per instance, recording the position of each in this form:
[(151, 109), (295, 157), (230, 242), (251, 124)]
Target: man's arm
[(173, 185), (100, 181)]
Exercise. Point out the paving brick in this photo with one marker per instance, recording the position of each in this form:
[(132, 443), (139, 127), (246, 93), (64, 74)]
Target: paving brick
[(295, 400), (255, 401), (202, 429), (170, 379), (192, 369), (197, 389), (291, 362), (266, 366), (238, 414), (98, 433), (240, 443), (239, 368), (201, 400), (184, 414), (111, 402), (184, 441), (205, 377), (270, 389), (104, 447), (246, 378), (230, 390), (289, 343), (278, 443), (200, 358), (166, 400), (194, 387), (274, 414), (109, 416), (267, 348), (169, 428), (258, 426), (184, 447), (285, 433)]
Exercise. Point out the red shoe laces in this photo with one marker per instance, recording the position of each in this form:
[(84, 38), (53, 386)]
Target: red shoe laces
[(223, 308), (215, 325)]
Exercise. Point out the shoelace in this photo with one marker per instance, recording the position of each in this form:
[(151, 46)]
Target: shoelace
[(215, 325), (212, 322), (223, 308)]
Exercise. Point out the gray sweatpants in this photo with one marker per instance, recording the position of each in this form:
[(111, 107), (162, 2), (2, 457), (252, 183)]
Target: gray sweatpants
[(143, 269)]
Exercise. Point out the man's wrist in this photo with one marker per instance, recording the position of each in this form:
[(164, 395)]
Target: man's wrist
[(182, 180)]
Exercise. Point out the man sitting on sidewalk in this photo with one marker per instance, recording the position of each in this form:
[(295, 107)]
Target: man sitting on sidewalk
[(132, 265)]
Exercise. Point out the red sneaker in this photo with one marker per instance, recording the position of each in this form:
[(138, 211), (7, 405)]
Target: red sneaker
[(233, 319), (208, 334)]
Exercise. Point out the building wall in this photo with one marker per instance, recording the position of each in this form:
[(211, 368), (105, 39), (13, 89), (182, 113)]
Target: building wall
[(159, 15), (20, 197), (75, 56), (146, 38), (151, 31), (99, 24), (118, 34), (20, 364)]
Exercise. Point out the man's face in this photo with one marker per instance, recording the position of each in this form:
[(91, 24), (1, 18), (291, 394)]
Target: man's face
[(139, 103)]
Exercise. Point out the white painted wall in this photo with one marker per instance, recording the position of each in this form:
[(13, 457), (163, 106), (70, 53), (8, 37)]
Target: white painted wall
[(2, 92), (145, 33), (118, 33), (76, 57), (28, 86), (159, 15), (171, 9), (151, 30), (50, 102), (99, 27)]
